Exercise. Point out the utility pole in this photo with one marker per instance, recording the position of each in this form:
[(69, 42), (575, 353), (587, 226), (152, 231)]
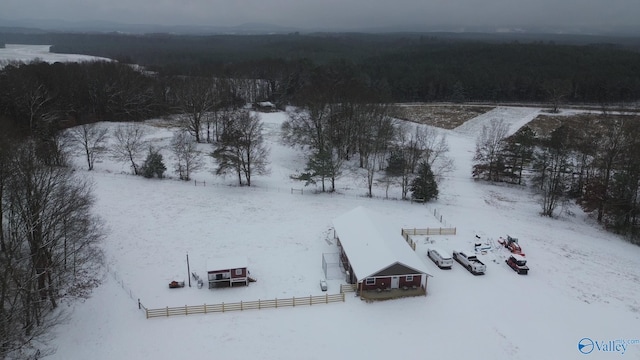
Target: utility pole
[(188, 270)]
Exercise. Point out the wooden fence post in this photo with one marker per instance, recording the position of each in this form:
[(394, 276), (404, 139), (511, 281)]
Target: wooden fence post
[(175, 310), (139, 304)]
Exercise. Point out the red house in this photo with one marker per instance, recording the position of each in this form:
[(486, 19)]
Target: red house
[(376, 258), (230, 271)]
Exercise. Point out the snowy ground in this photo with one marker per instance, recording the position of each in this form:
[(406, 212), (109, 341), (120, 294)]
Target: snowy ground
[(583, 282), (27, 53)]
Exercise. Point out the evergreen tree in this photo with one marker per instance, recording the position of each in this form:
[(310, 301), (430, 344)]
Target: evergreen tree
[(424, 186), (321, 166), (153, 165)]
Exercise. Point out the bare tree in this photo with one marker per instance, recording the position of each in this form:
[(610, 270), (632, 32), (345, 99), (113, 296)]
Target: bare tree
[(50, 248), (92, 139), (416, 144), (129, 145), (553, 171), (116, 90), (241, 149), (35, 99), (225, 101), (376, 135), (188, 158), (435, 148), (518, 152), (610, 146), (53, 149), (557, 90), (3, 179), (306, 128), (314, 130), (195, 98), (404, 158), (489, 146)]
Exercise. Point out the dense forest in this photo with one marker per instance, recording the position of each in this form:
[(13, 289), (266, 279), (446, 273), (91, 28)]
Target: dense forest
[(397, 67)]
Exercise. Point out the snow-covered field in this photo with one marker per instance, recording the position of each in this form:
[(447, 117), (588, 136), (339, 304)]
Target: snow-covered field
[(583, 283), (27, 53)]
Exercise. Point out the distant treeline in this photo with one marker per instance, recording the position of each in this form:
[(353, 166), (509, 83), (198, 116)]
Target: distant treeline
[(39, 99), (396, 67)]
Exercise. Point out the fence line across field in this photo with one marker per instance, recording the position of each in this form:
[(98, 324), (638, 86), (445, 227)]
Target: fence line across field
[(116, 277), (291, 190), (439, 217), (241, 306)]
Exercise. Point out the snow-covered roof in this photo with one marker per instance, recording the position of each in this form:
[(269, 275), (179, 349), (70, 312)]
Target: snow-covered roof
[(266, 104), (226, 263), (443, 254), (371, 246), (519, 257)]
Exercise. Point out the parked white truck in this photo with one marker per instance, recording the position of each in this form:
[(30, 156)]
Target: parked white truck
[(470, 262)]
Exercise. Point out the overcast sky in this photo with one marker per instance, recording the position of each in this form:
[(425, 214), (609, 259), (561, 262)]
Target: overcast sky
[(343, 14)]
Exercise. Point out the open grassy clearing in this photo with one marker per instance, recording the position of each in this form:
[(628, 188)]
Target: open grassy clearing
[(448, 116), (543, 125)]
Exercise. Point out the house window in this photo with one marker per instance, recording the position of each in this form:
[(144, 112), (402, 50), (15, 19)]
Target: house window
[(238, 271), (370, 281), (409, 278)]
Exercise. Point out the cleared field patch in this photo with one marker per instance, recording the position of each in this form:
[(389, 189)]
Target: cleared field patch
[(442, 116), (544, 125)]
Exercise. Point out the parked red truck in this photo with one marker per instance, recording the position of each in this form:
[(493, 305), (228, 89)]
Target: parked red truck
[(518, 264)]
